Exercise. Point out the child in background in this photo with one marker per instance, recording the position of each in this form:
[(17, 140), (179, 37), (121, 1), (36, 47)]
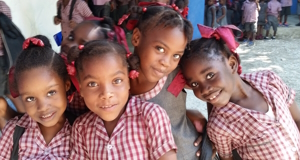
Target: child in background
[(254, 113), (249, 19), (42, 81), (262, 19), (221, 14), (156, 57), (118, 126), (80, 12), (274, 8), (211, 19)]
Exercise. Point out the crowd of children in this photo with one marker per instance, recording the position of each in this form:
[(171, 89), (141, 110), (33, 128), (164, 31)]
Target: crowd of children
[(251, 16), (97, 100)]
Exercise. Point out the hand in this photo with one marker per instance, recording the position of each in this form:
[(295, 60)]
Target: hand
[(72, 24), (57, 21), (218, 20), (199, 122), (266, 20)]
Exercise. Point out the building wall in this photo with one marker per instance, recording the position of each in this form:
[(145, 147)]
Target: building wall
[(35, 17), (196, 15)]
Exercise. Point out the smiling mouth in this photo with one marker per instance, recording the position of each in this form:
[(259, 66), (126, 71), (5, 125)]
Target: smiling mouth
[(215, 95), (47, 116), (107, 106), (159, 72)]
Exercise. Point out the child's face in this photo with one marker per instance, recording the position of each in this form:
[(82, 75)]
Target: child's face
[(83, 33), (211, 80), (44, 96), (210, 2), (159, 50), (222, 2), (104, 85)]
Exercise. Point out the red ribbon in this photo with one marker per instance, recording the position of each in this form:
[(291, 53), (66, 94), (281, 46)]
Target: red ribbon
[(223, 32), (35, 41)]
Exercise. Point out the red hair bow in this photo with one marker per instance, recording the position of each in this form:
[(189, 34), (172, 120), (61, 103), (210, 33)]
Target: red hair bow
[(185, 12), (35, 41), (223, 32)]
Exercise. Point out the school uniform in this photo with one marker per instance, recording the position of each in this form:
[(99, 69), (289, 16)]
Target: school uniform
[(256, 135), (80, 12), (183, 130), (250, 16), (32, 144), (274, 7), (143, 132)]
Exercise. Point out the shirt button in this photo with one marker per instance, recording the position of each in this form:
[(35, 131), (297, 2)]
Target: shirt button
[(109, 147), (294, 149)]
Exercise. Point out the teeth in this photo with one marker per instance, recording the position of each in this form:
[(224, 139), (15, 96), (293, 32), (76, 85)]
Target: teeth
[(212, 98), (105, 106), (47, 116)]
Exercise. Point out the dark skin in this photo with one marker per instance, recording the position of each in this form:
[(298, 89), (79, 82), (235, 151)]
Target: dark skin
[(163, 53), (238, 92)]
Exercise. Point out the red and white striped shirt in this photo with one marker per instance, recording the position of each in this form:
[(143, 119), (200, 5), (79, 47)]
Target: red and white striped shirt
[(4, 9), (153, 92), (32, 144), (143, 132), (256, 135)]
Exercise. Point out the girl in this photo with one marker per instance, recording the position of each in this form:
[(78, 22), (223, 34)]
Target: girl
[(156, 57), (91, 29), (211, 14), (42, 81), (254, 113), (262, 19), (118, 127), (221, 14)]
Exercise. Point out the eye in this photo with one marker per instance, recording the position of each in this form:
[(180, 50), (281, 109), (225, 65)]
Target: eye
[(194, 84), (30, 99), (210, 75), (117, 81), (51, 93), (177, 56), (92, 84), (70, 37), (160, 49)]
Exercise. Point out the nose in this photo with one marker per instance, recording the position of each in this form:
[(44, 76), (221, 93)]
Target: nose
[(105, 93), (205, 89), (42, 105), (165, 61)]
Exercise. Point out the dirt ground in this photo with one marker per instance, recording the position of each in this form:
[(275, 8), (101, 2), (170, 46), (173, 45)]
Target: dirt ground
[(281, 56)]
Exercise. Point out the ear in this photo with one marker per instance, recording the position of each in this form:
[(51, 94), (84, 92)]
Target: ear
[(136, 37), (68, 84), (233, 63)]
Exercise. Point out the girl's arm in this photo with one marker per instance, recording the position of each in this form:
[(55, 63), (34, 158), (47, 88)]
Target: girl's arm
[(169, 155), (213, 11), (295, 112), (223, 14)]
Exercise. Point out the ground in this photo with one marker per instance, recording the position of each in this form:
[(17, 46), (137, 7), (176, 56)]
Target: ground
[(281, 56)]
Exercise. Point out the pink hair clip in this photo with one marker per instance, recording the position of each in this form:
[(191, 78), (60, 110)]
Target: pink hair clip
[(123, 18), (128, 54), (80, 47), (144, 9), (35, 41), (133, 74)]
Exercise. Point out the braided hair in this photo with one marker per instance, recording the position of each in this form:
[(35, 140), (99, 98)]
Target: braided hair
[(35, 56), (207, 48), (106, 30), (99, 48)]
